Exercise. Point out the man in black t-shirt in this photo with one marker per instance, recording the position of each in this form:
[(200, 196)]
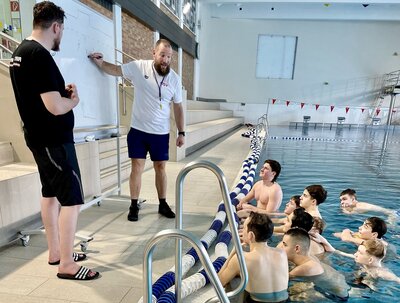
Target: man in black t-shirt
[(45, 105)]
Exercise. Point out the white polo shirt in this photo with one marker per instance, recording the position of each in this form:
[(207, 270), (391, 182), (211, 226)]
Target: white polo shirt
[(149, 113)]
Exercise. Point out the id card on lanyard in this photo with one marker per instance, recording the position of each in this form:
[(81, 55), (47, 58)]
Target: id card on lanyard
[(159, 85)]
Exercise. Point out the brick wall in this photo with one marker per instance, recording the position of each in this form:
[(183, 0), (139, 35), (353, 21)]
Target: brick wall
[(188, 74), (137, 38), (98, 8)]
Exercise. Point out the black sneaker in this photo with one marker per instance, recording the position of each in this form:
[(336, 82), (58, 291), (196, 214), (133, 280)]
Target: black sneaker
[(133, 214), (165, 210)]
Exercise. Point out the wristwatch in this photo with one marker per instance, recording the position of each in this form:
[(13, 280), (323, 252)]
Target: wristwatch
[(181, 133)]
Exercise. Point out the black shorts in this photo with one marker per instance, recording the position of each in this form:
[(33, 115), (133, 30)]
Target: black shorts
[(141, 143), (59, 173)]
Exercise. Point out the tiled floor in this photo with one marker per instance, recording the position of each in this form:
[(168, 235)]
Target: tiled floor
[(117, 248)]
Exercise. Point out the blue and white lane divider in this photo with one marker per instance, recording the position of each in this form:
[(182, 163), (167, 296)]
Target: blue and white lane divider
[(190, 258), (328, 139), (201, 279)]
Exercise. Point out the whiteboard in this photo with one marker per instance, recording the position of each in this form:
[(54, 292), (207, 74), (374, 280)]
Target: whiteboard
[(86, 31)]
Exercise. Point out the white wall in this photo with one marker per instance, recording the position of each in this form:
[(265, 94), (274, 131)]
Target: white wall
[(348, 55), (26, 7)]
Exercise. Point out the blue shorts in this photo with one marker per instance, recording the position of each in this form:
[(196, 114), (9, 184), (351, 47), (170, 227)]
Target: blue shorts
[(141, 143), (59, 173)]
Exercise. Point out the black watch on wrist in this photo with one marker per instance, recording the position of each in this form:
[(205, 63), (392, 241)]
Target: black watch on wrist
[(181, 133)]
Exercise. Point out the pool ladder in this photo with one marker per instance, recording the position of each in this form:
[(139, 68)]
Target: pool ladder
[(178, 233)]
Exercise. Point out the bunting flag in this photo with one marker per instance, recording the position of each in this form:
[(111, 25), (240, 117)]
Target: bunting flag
[(371, 111)]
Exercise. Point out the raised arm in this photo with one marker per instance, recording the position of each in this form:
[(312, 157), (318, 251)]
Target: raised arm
[(107, 67), (372, 207), (348, 236), (324, 242)]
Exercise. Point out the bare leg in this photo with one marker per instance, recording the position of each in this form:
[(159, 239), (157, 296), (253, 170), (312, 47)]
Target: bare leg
[(67, 224), (60, 226), (50, 209), (135, 179), (161, 178)]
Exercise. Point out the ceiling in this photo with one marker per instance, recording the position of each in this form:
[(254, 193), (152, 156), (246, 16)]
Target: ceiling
[(384, 10)]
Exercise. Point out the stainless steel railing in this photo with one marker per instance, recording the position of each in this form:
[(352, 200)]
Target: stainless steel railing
[(180, 234)]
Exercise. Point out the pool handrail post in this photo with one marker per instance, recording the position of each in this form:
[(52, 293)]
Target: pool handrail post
[(201, 252), (231, 221)]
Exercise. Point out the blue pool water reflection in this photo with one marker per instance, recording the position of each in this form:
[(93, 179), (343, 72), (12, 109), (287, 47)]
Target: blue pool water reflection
[(366, 160)]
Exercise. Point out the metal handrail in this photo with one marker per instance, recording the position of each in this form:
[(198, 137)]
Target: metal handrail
[(125, 54), (389, 83), (262, 124), (201, 252), (231, 221), (6, 49), (9, 38), (5, 61), (124, 81)]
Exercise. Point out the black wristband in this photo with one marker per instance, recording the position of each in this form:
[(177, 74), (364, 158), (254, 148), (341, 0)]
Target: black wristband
[(181, 133)]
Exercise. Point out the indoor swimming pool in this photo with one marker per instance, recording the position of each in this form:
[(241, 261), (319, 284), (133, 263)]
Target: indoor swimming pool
[(366, 160)]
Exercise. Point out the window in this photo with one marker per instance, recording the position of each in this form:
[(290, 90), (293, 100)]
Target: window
[(276, 56), (189, 19)]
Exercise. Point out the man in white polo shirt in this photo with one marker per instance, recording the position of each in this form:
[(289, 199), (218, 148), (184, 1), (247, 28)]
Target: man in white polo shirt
[(156, 86)]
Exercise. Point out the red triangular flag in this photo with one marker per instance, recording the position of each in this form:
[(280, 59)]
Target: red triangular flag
[(287, 103), (273, 101), (332, 107), (302, 104), (378, 111), (316, 106), (362, 110), (347, 109)]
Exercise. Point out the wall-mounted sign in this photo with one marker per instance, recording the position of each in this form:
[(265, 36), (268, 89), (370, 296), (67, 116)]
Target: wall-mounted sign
[(14, 6)]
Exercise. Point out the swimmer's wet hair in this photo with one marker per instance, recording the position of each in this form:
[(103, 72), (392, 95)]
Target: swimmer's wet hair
[(261, 226), (318, 192), (375, 248)]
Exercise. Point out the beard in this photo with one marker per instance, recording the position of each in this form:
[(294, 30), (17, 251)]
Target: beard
[(56, 45), (162, 70)]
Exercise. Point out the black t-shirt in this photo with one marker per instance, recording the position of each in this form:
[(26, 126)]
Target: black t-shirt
[(33, 72)]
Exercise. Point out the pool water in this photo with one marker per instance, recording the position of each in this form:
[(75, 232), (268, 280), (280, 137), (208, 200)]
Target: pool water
[(367, 160)]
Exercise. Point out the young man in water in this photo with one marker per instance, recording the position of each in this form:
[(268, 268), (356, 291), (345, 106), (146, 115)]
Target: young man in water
[(267, 192), (311, 198), (267, 266), (370, 254), (286, 222), (325, 279), (372, 228), (350, 205)]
